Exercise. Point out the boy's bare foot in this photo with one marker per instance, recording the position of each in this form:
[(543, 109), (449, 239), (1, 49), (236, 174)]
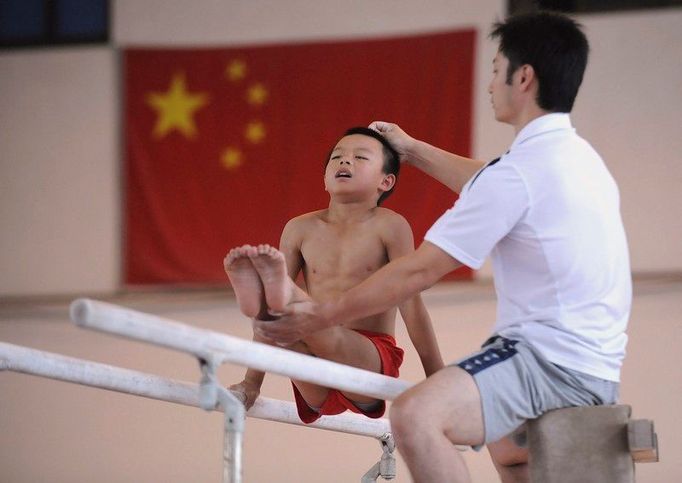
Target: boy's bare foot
[(272, 268), (244, 279)]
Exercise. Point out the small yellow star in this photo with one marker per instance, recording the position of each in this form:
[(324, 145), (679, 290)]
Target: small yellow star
[(236, 70), (255, 132), (175, 108), (257, 94), (231, 158)]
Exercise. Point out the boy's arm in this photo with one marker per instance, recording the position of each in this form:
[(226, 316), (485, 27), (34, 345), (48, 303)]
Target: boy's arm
[(289, 244), (252, 382), (448, 168), (400, 241), (421, 333)]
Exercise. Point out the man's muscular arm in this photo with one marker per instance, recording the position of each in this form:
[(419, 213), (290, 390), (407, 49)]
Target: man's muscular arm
[(388, 287), (448, 168)]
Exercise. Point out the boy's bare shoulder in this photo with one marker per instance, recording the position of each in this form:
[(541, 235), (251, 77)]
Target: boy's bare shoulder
[(390, 218), (394, 229), (311, 217), (305, 221)]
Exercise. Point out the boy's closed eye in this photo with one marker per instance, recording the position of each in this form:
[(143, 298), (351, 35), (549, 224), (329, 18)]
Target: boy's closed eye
[(356, 157)]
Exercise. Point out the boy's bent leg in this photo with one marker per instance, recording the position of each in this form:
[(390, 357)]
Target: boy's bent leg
[(244, 279), (428, 419), (313, 394), (272, 270), (336, 344), (346, 346)]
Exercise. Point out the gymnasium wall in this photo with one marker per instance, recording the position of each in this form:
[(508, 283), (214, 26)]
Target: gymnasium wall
[(60, 182)]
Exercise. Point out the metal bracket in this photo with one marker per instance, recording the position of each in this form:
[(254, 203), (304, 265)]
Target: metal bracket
[(213, 395), (385, 467)]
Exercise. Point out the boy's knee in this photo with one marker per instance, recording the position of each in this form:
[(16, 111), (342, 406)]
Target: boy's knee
[(325, 342)]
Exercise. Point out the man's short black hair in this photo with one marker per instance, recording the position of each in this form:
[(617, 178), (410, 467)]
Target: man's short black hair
[(557, 49), (391, 157)]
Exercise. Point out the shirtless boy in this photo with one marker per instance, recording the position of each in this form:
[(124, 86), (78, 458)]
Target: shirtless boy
[(337, 248)]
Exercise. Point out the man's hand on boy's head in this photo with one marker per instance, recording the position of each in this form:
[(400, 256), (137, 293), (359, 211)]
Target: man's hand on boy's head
[(298, 320), (399, 139)]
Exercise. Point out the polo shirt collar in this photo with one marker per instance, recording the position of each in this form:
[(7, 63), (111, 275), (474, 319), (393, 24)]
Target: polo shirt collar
[(541, 125)]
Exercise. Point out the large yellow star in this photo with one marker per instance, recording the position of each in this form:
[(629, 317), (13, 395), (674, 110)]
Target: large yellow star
[(236, 70), (175, 108), (231, 158), (257, 94), (255, 131)]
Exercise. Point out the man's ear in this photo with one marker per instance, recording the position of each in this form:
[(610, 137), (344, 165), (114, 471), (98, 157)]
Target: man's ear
[(388, 182), (526, 76)]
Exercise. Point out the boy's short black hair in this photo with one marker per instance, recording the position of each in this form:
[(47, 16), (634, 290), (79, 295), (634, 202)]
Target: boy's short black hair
[(391, 157), (557, 49)]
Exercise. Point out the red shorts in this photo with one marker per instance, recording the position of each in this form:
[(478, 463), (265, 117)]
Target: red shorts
[(391, 358)]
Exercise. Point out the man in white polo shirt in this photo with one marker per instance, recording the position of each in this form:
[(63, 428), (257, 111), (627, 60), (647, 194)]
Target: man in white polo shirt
[(547, 212)]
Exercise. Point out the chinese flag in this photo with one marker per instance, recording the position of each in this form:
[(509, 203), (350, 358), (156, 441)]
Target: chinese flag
[(225, 145)]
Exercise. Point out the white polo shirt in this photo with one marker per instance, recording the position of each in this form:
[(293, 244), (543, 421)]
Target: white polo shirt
[(548, 215)]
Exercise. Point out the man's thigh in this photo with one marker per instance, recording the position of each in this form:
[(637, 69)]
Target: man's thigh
[(448, 401), (517, 383)]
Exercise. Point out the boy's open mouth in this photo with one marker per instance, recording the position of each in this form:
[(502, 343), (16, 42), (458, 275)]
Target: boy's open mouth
[(343, 173)]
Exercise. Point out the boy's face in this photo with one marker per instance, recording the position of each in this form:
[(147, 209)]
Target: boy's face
[(355, 169)]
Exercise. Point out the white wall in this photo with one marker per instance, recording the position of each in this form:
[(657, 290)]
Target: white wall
[(59, 182), (630, 109), (59, 154)]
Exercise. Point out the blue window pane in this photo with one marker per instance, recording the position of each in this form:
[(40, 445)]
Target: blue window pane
[(81, 18), (21, 20)]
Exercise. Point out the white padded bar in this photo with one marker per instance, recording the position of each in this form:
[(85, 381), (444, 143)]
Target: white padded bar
[(55, 366), (220, 348)]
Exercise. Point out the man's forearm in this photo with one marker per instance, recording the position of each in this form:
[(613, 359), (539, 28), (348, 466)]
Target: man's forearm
[(385, 289), (450, 169), (391, 285)]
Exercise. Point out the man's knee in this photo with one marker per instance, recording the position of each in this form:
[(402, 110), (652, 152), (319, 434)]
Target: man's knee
[(415, 411), (407, 418), (402, 411)]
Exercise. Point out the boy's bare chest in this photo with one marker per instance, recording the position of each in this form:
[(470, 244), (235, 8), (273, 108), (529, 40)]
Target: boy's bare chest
[(338, 252)]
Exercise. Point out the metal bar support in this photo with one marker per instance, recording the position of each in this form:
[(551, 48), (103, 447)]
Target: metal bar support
[(385, 467), (212, 394)]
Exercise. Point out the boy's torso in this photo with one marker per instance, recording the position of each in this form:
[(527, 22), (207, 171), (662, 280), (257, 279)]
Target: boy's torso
[(339, 255)]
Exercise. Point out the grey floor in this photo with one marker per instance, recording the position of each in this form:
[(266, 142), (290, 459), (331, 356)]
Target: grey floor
[(59, 432)]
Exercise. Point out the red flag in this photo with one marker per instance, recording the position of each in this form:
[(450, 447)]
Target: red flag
[(224, 146)]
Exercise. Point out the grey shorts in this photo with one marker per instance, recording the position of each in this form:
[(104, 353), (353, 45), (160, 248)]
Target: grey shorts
[(516, 384)]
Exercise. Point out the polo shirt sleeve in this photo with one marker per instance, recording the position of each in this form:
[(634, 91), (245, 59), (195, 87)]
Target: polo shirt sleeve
[(486, 212)]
